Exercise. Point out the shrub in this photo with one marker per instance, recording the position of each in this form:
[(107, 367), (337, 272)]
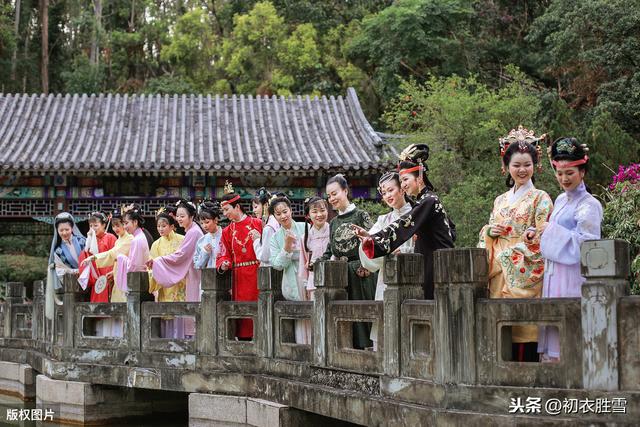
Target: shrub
[(22, 268), (622, 216)]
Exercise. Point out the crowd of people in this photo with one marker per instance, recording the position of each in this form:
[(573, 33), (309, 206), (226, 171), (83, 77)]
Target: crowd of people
[(533, 245)]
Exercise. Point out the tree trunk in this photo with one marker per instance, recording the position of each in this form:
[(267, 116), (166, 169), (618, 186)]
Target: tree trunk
[(97, 30), (44, 17), (16, 30)]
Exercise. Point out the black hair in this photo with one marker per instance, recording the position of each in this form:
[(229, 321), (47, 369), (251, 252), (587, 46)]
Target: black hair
[(391, 176), (569, 149), (134, 213), (171, 210), (99, 216), (228, 197), (262, 197), (209, 209), (406, 164), (519, 147), (342, 182), (190, 207), (148, 236), (275, 201), (63, 220), (167, 217), (307, 209)]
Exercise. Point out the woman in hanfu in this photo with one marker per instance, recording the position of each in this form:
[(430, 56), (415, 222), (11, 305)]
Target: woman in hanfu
[(285, 256), (238, 255), (344, 244), (169, 270), (208, 246), (66, 246), (261, 246), (136, 259), (394, 196), (168, 243), (315, 241), (516, 266), (98, 241), (576, 217), (109, 258), (427, 220)]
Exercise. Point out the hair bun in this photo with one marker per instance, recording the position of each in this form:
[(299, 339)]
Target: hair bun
[(415, 153)]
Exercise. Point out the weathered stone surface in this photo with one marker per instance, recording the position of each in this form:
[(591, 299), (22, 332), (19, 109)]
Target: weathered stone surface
[(460, 280), (17, 379), (216, 287), (493, 350), (605, 258), (286, 314), (270, 287), (330, 279), (263, 413), (231, 410), (417, 339), (346, 381), (629, 342)]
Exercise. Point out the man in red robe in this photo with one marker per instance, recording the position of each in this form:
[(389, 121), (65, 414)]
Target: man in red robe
[(238, 255)]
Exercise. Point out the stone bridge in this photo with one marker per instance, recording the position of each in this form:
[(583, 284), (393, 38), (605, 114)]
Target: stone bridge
[(439, 362)]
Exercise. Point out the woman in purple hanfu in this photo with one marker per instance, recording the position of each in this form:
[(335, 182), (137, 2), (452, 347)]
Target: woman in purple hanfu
[(139, 250), (171, 269), (576, 217)]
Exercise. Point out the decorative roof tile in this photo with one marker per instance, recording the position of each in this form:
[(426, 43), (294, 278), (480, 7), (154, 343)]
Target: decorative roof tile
[(188, 134)]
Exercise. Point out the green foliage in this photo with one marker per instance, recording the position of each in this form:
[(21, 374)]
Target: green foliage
[(461, 120), (36, 246), (84, 77), (22, 268), (373, 207), (622, 221), (414, 38)]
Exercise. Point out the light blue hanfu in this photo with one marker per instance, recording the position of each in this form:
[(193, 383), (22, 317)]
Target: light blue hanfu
[(203, 259)]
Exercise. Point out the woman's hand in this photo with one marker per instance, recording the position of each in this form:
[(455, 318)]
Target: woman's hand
[(208, 248), (87, 260), (149, 264), (254, 234), (359, 232), (225, 265), (497, 230), (362, 272), (289, 241), (529, 236)]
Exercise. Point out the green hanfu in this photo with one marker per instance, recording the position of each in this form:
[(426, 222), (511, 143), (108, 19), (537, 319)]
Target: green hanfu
[(344, 245)]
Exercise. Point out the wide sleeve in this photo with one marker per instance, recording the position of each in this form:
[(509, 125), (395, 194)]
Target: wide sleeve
[(225, 248), (201, 257), (279, 258), (108, 258), (374, 264), (328, 253), (262, 246), (544, 206), (562, 245), (395, 234), (171, 269), (484, 240), (154, 253)]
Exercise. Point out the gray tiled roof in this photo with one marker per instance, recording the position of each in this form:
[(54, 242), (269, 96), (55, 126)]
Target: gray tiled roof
[(187, 134)]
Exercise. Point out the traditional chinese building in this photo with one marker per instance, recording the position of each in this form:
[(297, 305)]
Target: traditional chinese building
[(82, 153)]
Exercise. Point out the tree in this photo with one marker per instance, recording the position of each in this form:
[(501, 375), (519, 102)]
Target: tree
[(414, 38), (44, 61)]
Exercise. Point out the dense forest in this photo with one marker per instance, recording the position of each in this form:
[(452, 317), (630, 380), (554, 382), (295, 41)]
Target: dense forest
[(456, 74)]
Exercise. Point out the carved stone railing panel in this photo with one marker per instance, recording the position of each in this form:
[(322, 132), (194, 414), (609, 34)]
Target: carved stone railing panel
[(340, 319), (494, 319), (101, 316), (287, 316), (153, 313), (418, 342), (228, 313)]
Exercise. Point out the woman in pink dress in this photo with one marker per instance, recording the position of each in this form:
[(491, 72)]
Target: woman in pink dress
[(139, 251), (171, 269)]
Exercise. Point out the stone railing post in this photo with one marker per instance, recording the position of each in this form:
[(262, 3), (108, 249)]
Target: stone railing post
[(330, 280), (270, 287), (404, 275), (215, 287), (72, 293), (14, 293), (605, 264), (37, 311), (460, 277), (138, 284)]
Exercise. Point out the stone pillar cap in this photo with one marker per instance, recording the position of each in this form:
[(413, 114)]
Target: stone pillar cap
[(605, 258)]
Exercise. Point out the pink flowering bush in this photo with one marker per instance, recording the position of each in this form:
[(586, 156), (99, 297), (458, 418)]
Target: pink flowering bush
[(626, 174), (622, 215)]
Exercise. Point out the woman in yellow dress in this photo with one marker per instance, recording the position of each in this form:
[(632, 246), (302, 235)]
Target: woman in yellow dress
[(511, 238), (168, 243)]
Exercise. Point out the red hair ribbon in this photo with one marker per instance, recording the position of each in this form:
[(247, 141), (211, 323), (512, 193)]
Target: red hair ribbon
[(413, 169), (568, 164), (234, 199)]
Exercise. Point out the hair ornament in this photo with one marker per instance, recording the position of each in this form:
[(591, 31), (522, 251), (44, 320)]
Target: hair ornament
[(228, 188), (522, 136)]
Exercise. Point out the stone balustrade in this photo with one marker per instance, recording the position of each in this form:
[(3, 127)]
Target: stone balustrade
[(434, 357)]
